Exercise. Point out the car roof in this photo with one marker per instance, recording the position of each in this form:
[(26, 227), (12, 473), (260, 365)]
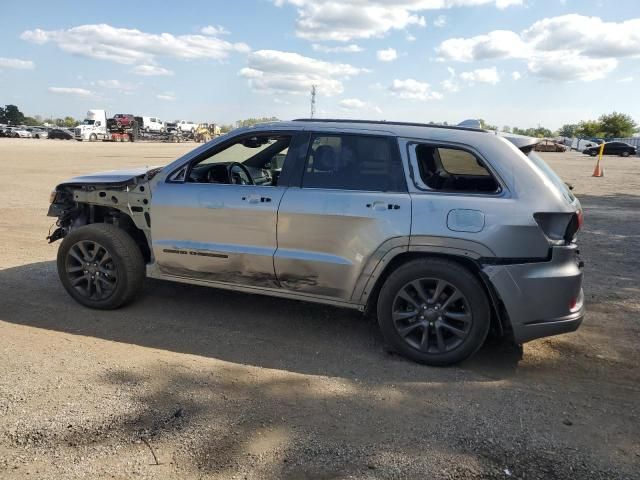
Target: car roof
[(463, 134)]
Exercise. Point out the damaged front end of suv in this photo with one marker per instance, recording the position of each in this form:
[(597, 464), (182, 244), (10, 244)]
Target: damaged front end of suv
[(119, 198)]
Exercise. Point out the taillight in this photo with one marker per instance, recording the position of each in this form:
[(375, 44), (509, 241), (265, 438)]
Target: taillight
[(559, 226), (580, 219), (577, 219)]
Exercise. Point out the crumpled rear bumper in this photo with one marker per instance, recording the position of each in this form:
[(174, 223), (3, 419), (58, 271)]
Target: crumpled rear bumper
[(541, 298)]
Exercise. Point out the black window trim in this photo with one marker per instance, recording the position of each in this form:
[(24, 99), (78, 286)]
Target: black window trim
[(502, 188), (395, 149), (215, 149)]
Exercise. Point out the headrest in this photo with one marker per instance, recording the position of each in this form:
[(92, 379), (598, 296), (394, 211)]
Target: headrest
[(324, 158)]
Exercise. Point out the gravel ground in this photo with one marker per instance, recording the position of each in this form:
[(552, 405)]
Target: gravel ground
[(193, 383)]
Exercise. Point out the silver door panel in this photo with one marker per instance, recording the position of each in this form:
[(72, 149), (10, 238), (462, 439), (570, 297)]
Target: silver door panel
[(216, 232), (326, 237)]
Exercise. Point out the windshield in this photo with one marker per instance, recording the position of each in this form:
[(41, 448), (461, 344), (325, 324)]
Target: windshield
[(551, 175), (88, 122)]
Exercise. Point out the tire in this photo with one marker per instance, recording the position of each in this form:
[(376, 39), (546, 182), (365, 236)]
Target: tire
[(625, 154), (93, 137), (470, 315), (120, 277), (593, 154)]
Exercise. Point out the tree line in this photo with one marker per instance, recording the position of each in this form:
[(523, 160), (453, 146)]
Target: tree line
[(609, 125), (11, 115)]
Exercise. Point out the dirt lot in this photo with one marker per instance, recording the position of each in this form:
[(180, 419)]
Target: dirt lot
[(192, 382)]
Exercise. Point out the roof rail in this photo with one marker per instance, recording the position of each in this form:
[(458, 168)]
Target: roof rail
[(384, 122)]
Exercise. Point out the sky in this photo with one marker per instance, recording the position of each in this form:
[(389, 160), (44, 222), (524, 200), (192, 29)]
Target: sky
[(519, 63)]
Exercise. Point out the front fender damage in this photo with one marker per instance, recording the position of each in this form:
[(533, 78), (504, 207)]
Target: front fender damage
[(125, 204)]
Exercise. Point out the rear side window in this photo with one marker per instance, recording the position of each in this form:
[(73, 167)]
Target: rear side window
[(354, 162), (451, 169)]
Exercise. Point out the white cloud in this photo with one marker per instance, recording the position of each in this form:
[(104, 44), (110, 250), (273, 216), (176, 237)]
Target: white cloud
[(130, 46), (625, 80), (166, 96), (352, 48), (72, 91), (215, 31), (481, 75), (440, 21), (590, 36), (496, 44), (570, 67), (410, 38), (554, 47), (450, 85), (411, 89), (273, 71), (516, 75), (151, 71), (116, 85), (16, 63), (355, 104), (344, 20), (387, 55)]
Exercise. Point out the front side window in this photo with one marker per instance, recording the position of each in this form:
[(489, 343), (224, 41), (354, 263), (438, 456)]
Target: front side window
[(255, 160), (451, 169), (354, 162)]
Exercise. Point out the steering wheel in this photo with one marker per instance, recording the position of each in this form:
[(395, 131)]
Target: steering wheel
[(235, 171)]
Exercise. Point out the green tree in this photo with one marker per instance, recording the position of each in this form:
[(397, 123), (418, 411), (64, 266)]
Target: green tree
[(252, 121), (31, 121), (589, 128), (226, 128), (506, 129), (486, 126), (13, 115), (568, 130), (69, 122), (617, 125)]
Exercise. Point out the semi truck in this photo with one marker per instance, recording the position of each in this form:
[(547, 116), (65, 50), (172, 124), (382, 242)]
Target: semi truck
[(96, 127)]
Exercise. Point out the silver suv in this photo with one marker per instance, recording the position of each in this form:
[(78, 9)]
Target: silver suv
[(441, 232)]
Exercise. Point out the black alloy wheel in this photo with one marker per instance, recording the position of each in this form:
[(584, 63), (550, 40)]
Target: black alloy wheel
[(432, 315), (91, 270)]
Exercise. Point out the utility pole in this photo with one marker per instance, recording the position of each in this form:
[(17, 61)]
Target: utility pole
[(313, 101)]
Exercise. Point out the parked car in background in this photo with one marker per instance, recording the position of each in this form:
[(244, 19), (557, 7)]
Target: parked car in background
[(61, 134), (186, 126), (549, 146), (612, 148), (171, 127), (20, 132), (38, 132), (440, 232), (152, 124)]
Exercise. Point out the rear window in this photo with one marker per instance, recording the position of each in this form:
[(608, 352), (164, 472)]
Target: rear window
[(551, 175), (451, 169)]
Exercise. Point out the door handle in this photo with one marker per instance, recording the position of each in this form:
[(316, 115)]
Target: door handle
[(383, 206), (256, 199)]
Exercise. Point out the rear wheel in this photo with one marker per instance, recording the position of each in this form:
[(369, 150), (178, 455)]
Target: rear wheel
[(593, 153), (101, 266), (433, 311)]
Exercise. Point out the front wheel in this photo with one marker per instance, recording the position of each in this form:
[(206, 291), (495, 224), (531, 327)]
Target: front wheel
[(625, 154), (434, 311), (593, 153), (101, 266)]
